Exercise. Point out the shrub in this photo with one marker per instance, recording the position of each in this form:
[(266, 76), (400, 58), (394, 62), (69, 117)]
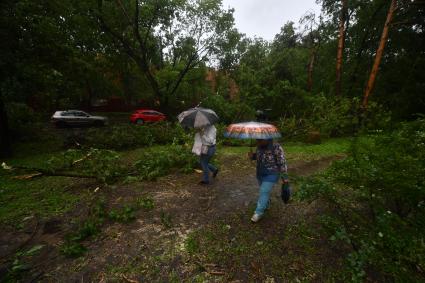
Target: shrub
[(121, 137), (101, 164), (334, 117), (378, 194), (157, 162)]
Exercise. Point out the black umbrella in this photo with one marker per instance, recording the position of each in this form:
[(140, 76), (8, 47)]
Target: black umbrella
[(198, 117)]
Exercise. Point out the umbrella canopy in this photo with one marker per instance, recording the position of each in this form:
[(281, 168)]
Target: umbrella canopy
[(252, 130), (198, 117)]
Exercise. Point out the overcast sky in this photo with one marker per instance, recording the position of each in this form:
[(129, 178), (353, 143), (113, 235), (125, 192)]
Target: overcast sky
[(264, 18)]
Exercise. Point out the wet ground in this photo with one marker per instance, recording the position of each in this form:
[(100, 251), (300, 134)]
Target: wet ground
[(154, 247)]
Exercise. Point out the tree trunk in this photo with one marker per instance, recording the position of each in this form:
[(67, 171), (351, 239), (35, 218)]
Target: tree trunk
[(311, 68), (5, 146), (340, 51), (379, 52), (355, 73)]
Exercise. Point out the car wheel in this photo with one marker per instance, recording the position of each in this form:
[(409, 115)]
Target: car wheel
[(140, 122)]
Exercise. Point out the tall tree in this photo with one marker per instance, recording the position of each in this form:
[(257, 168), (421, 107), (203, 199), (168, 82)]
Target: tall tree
[(166, 39), (379, 52), (341, 44), (312, 41)]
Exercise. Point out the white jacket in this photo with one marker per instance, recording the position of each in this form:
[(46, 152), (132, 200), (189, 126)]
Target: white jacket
[(205, 137), (208, 135)]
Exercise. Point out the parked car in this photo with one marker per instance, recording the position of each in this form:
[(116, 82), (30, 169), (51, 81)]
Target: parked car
[(77, 118), (146, 115)]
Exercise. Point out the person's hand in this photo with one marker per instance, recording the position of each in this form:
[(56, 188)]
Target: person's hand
[(285, 178)]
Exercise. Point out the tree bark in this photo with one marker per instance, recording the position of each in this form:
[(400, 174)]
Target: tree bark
[(5, 145), (341, 43), (311, 68), (379, 52)]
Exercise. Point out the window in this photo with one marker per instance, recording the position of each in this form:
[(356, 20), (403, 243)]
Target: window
[(80, 114)]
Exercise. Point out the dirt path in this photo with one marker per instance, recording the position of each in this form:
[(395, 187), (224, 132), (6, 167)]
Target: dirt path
[(153, 248)]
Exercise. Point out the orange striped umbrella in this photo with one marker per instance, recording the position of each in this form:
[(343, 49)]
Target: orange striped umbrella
[(252, 130)]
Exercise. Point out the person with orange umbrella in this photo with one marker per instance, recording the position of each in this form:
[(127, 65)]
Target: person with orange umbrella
[(271, 161)]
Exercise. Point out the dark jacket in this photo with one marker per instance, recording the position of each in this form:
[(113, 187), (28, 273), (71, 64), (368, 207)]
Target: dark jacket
[(270, 160)]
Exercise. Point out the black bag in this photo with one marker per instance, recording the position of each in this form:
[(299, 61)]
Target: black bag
[(285, 193)]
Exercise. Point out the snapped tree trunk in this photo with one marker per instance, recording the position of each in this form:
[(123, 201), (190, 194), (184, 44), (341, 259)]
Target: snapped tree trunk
[(311, 68), (5, 145), (379, 52), (340, 50)]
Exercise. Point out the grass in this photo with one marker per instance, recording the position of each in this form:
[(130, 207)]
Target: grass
[(301, 151), (42, 197), (289, 251)]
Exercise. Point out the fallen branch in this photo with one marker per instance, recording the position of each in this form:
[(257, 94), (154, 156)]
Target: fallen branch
[(216, 272), (42, 172), (28, 176), (128, 279), (81, 159)]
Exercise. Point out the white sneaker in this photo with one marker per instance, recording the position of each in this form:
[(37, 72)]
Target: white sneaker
[(256, 217)]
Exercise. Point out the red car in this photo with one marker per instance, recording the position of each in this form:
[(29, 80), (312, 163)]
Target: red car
[(146, 115)]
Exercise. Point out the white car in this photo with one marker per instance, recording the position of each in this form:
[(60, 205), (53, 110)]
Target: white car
[(77, 118)]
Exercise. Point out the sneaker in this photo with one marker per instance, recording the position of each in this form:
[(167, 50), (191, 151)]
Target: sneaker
[(215, 173), (256, 217), (203, 183)]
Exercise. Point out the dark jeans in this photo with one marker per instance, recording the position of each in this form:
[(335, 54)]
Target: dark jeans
[(205, 164)]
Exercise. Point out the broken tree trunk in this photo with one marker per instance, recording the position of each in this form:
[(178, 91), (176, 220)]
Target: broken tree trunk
[(340, 50), (379, 52), (311, 68)]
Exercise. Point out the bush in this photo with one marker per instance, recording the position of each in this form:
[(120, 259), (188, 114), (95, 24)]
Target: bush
[(131, 136), (101, 164), (334, 117), (158, 162), (378, 193)]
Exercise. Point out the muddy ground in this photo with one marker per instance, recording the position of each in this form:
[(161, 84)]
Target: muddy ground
[(181, 239)]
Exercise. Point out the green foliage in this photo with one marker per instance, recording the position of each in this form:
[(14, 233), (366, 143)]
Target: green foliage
[(157, 162), (73, 249), (145, 203), (101, 164), (166, 220), (131, 136), (124, 215), (192, 244), (90, 227), (378, 194), (40, 197), (333, 117), (229, 112), (19, 264)]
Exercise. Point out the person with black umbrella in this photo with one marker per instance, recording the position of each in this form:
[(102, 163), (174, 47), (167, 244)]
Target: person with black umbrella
[(205, 138)]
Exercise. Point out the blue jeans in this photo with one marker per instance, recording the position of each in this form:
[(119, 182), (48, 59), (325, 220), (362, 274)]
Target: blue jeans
[(205, 164), (264, 197)]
